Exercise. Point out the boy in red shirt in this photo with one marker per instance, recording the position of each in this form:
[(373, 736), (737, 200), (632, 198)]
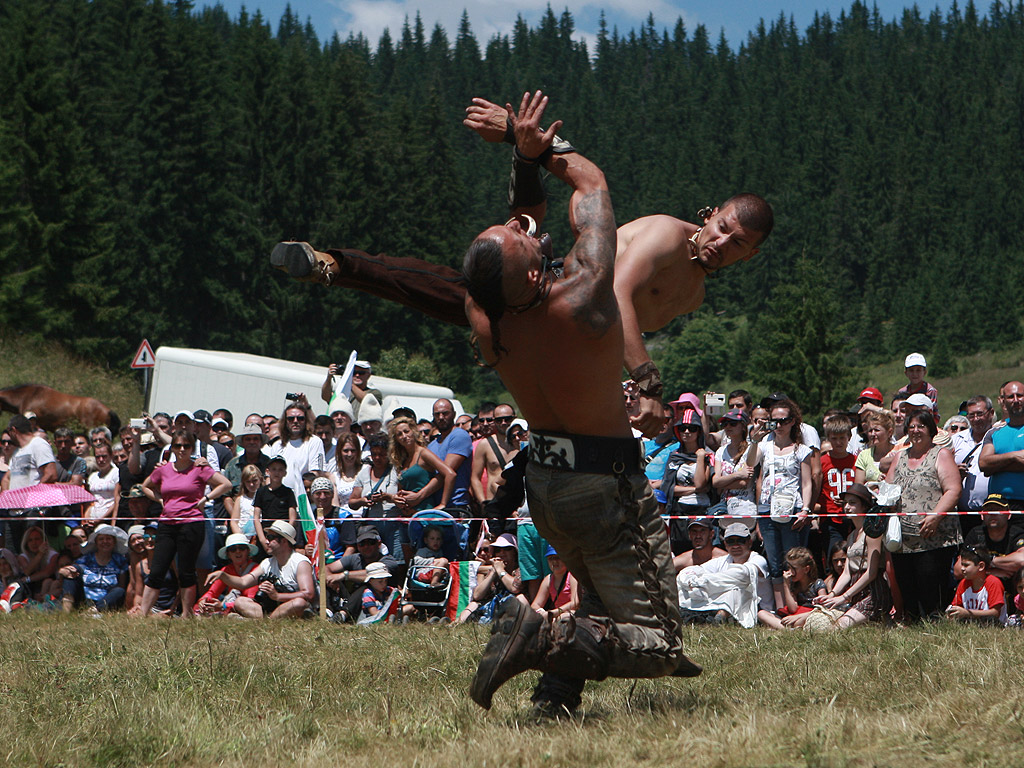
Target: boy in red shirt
[(979, 597), (836, 475)]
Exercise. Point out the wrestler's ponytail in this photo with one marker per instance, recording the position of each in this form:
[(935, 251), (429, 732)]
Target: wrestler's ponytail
[(482, 272)]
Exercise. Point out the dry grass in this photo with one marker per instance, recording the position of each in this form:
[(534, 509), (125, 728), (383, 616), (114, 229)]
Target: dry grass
[(31, 361), (118, 692)]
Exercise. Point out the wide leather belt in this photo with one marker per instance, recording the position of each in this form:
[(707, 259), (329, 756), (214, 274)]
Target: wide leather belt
[(586, 453)]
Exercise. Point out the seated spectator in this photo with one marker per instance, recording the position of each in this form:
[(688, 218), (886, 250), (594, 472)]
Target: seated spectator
[(501, 582), (32, 462), (139, 506), (219, 599), (861, 592), (339, 526), (800, 587), (286, 587), (734, 587), (378, 596), (101, 574), (136, 553), (105, 486), (873, 462), (37, 561), (979, 596), (701, 532), (1002, 540), (13, 587), (167, 599), (242, 507), (836, 562), (559, 591), (429, 560), (351, 569)]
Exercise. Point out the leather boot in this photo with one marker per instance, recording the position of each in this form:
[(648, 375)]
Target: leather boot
[(303, 263), (519, 638)]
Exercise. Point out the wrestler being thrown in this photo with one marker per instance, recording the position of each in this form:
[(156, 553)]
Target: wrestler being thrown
[(556, 340)]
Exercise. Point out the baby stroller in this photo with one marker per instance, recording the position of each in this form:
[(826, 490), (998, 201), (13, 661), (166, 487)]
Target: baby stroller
[(431, 599)]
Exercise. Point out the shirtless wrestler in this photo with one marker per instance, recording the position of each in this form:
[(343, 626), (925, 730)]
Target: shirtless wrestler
[(661, 262), (556, 340)]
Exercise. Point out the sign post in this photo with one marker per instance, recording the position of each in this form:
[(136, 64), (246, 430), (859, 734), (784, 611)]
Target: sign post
[(144, 359)]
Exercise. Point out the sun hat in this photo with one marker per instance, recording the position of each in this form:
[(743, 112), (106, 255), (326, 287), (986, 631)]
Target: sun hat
[(688, 398), (861, 492), (285, 530), (377, 571), (919, 400), (370, 410), (915, 358), (362, 364), (233, 541), (871, 393), (120, 539), (506, 540), (250, 429)]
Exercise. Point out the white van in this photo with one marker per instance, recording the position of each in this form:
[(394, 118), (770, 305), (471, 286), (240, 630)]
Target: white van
[(187, 379)]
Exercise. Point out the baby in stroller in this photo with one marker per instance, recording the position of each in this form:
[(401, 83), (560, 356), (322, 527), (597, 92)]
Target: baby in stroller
[(429, 563)]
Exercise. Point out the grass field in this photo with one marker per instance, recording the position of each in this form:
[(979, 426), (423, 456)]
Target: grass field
[(122, 692)]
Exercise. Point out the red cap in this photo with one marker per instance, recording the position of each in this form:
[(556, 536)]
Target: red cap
[(870, 393)]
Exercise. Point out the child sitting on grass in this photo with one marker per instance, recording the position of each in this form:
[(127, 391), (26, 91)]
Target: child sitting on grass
[(376, 596), (979, 597), (800, 585), (1017, 620)]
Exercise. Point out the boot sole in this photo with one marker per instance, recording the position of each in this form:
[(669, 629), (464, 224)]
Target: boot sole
[(480, 689), (295, 258)]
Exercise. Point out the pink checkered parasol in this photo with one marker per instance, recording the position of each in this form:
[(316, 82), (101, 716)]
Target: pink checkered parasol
[(45, 495)]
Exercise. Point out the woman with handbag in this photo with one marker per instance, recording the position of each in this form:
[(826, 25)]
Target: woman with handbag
[(930, 484), (786, 487)]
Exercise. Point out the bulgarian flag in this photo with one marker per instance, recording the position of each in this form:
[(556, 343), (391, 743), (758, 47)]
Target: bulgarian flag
[(463, 575), (307, 519), (387, 613)]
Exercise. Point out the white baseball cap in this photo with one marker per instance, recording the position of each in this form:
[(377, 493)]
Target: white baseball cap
[(915, 358)]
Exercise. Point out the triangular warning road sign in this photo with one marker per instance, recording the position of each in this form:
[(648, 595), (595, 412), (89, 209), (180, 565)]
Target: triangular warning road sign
[(144, 358)]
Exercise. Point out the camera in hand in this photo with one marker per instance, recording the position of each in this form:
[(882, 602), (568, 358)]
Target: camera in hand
[(137, 423), (771, 425), (291, 396)]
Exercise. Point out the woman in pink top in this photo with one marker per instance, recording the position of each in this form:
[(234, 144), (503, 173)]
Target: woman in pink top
[(180, 486)]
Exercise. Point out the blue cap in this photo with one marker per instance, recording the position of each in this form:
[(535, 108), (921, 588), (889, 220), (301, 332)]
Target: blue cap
[(550, 552)]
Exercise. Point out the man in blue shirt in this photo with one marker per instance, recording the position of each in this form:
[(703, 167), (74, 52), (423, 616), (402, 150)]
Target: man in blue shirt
[(454, 447), (1002, 454)]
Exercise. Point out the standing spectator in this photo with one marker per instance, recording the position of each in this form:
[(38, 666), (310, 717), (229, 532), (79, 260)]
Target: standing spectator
[(454, 447), (1002, 455), (967, 445), (868, 468), (242, 506), (916, 369), (7, 449), (345, 470), (342, 417), (657, 449), (734, 478), (180, 486), (275, 500), (298, 447), (323, 429), (332, 395), (837, 471), (687, 479), (105, 486), (420, 472), (787, 487), (70, 467), (376, 485), (204, 433), (930, 485), (32, 462), (491, 455), (251, 439)]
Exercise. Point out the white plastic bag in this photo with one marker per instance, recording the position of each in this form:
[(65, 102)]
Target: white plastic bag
[(893, 535)]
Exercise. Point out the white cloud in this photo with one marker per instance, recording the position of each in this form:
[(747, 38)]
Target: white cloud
[(495, 17)]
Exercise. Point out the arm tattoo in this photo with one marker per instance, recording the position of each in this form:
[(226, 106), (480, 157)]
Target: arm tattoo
[(592, 262)]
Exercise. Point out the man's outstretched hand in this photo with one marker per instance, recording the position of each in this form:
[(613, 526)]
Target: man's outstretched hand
[(651, 417), (530, 139), (488, 119)]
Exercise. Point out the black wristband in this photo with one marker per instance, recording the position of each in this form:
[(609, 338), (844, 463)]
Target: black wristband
[(525, 188)]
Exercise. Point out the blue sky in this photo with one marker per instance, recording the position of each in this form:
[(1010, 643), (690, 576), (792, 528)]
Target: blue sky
[(488, 17)]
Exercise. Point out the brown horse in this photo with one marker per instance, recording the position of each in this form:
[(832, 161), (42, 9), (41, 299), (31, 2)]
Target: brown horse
[(54, 409)]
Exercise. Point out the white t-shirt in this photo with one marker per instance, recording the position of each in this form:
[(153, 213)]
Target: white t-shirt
[(975, 486), (781, 474), (102, 487), (302, 457), (765, 595), (285, 576), (28, 461)]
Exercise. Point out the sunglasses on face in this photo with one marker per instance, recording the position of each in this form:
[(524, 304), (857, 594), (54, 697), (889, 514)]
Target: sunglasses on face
[(503, 418), (295, 418), (6, 442), (238, 548), (145, 537), (181, 445), (689, 428), (485, 421), (273, 537), (734, 540)]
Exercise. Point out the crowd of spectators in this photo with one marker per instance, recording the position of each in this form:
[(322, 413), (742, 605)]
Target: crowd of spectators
[(771, 521)]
